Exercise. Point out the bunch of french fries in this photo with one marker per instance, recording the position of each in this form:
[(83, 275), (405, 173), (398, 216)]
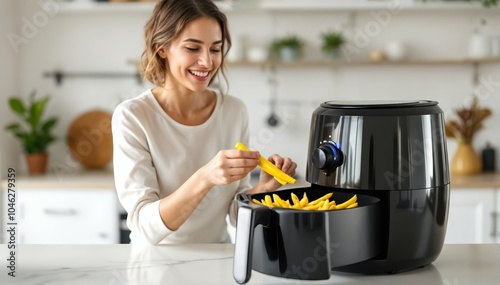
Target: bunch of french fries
[(270, 168), (319, 204)]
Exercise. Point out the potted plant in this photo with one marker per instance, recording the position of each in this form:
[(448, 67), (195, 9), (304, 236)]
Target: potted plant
[(469, 120), (331, 43), (35, 134), (287, 48)]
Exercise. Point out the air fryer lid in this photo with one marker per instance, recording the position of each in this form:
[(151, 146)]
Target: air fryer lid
[(362, 104), (379, 107), (378, 145)]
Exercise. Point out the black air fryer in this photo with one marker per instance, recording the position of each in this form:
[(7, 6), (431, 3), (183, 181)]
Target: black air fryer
[(392, 155)]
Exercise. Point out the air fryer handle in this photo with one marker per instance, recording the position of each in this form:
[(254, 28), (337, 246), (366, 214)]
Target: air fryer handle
[(248, 219)]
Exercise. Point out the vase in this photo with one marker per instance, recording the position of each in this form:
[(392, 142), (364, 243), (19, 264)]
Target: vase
[(333, 54), (289, 54), (479, 46), (465, 160), (37, 163)]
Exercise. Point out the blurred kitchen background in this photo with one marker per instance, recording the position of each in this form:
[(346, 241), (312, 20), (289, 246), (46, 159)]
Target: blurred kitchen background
[(407, 49)]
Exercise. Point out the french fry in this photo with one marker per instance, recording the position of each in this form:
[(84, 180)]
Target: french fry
[(311, 207), (269, 201), (278, 201), (304, 201), (353, 205), (256, 201), (323, 206), (348, 202), (325, 197), (295, 200)]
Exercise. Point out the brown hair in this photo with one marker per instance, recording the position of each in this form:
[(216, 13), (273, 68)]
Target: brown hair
[(168, 20)]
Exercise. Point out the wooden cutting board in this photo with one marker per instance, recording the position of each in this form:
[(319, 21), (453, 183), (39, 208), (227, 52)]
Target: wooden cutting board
[(89, 139)]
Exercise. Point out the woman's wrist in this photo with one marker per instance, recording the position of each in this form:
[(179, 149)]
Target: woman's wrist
[(203, 180), (260, 187)]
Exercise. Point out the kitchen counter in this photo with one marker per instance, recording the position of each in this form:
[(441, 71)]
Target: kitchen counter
[(81, 179), (482, 180), (212, 264)]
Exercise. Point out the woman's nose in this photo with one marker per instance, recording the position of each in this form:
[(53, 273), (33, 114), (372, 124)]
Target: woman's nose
[(205, 59)]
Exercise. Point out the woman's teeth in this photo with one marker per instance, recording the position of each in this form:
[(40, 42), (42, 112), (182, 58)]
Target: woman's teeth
[(199, 73)]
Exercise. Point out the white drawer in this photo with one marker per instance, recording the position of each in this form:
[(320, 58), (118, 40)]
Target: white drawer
[(67, 216)]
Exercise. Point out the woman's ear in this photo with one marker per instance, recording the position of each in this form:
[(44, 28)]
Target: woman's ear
[(162, 52)]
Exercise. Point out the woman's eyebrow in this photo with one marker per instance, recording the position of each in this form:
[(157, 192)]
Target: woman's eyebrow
[(201, 42)]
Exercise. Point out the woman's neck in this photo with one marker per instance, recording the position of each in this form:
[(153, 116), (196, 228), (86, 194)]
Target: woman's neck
[(188, 107)]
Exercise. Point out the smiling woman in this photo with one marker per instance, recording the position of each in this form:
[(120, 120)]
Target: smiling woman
[(176, 171)]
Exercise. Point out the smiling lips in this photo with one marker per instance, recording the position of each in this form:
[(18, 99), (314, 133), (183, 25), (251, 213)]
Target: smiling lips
[(200, 75)]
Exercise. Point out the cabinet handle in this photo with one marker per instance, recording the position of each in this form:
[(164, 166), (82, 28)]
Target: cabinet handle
[(494, 225), (61, 212)]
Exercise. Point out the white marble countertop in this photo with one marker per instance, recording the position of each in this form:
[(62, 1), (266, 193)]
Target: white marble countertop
[(212, 264)]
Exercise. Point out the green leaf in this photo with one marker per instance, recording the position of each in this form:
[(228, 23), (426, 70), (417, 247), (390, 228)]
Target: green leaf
[(12, 127), (17, 106), (37, 111), (49, 124)]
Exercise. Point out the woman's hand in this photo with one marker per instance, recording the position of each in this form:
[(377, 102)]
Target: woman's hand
[(267, 182), (229, 166)]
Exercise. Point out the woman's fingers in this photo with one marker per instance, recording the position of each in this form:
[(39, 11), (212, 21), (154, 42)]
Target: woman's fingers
[(231, 165), (284, 163)]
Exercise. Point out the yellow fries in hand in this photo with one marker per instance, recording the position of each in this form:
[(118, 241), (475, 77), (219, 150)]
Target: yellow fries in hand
[(320, 204), (270, 168)]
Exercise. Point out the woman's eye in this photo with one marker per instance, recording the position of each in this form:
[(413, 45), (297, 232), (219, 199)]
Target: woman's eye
[(215, 50), (191, 49)]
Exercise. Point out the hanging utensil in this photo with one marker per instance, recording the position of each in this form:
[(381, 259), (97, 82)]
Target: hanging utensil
[(273, 119)]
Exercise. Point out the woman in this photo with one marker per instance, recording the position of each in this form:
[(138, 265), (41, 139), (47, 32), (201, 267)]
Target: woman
[(176, 169)]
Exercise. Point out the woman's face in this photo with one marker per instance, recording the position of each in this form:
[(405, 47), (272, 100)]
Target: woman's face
[(195, 56)]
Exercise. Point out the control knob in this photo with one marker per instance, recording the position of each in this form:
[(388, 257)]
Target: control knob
[(327, 157)]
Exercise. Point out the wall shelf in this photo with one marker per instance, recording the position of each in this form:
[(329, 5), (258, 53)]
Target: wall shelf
[(340, 63), (317, 5), (108, 7)]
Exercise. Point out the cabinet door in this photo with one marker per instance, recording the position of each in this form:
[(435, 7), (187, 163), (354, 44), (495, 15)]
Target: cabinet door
[(68, 216), (470, 218), (497, 216)]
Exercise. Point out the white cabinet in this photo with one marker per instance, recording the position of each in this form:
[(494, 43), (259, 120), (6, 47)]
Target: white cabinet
[(74, 208), (496, 217), (473, 216), (67, 216)]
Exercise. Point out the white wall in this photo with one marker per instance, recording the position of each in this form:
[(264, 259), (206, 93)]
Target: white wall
[(105, 41), (9, 79)]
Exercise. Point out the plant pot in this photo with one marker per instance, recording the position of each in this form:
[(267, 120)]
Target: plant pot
[(479, 46), (333, 53), (37, 163), (465, 160), (289, 54)]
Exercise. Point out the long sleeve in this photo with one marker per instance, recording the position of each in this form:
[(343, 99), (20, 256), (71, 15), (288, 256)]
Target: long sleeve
[(135, 177)]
